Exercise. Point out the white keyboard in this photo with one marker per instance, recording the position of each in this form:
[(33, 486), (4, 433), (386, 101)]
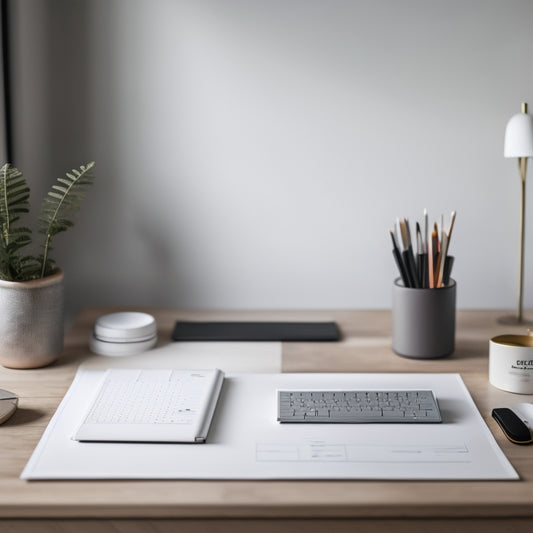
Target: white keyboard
[(353, 407)]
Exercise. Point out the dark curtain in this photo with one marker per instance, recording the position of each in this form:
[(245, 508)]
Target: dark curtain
[(5, 103)]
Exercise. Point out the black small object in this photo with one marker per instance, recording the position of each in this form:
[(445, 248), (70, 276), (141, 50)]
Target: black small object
[(448, 265), (401, 267), (410, 268), (255, 331), (513, 428)]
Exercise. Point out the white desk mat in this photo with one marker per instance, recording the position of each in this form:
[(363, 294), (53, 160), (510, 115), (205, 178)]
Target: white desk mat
[(246, 442)]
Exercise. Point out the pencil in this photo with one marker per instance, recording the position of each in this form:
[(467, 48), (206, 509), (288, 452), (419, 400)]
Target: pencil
[(398, 259), (426, 237), (452, 222), (405, 254), (430, 263), (435, 235), (408, 255), (420, 256), (442, 260), (445, 245), (436, 253), (433, 245), (426, 230)]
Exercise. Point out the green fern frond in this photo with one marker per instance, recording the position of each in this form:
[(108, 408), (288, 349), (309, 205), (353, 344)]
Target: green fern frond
[(60, 205), (31, 267), (14, 200)]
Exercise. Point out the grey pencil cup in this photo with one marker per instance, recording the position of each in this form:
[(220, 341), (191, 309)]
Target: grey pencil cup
[(423, 321)]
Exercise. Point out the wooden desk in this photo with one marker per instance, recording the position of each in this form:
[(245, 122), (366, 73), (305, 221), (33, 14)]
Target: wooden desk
[(155, 506)]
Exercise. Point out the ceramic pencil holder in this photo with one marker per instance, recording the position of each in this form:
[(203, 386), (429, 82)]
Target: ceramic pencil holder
[(423, 321)]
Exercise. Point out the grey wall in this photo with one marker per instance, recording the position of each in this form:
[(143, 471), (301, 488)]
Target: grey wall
[(254, 154)]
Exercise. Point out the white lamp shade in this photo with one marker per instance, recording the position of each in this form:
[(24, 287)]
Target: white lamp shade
[(519, 136)]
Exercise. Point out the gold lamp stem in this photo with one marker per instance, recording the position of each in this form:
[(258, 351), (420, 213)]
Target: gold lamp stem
[(522, 166)]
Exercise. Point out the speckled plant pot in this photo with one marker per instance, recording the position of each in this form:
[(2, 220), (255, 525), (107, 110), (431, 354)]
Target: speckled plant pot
[(31, 321)]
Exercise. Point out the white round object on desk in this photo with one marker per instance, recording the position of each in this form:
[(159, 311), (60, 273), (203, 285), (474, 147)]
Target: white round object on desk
[(125, 327), (511, 363), (120, 348)]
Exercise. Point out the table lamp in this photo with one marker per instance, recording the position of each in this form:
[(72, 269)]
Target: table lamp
[(519, 144)]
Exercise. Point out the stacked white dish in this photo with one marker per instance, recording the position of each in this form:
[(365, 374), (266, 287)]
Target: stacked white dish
[(126, 333)]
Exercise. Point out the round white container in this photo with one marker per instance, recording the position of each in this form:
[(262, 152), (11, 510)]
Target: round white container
[(126, 333), (511, 363), (120, 348), (125, 327)]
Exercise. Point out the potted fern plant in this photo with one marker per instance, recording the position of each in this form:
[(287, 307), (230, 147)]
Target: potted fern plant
[(31, 284)]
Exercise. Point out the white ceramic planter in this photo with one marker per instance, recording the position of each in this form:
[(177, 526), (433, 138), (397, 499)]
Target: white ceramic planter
[(31, 321)]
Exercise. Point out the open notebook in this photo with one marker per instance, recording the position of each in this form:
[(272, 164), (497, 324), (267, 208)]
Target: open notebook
[(133, 405)]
